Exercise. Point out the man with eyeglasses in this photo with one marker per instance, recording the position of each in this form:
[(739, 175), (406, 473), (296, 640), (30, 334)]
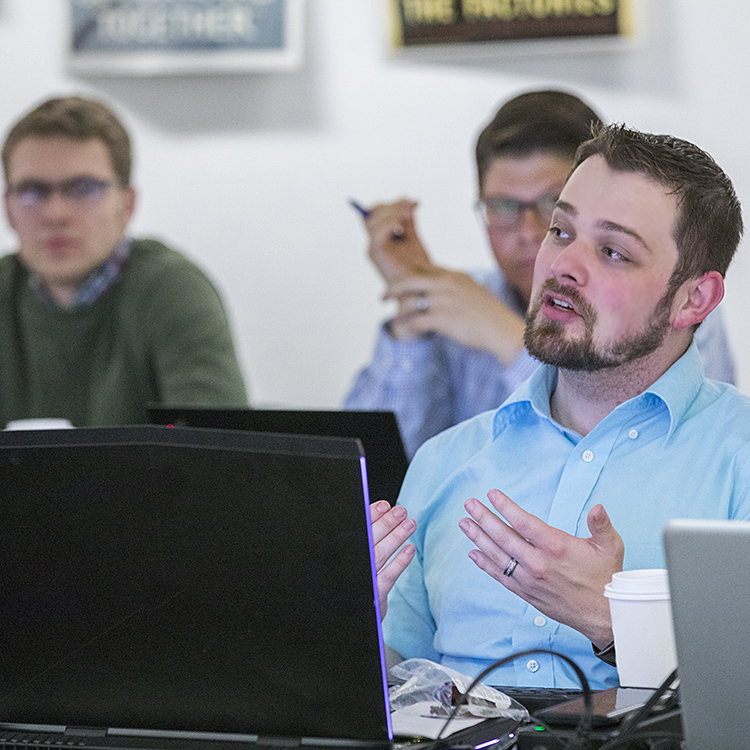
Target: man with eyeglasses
[(97, 324), (455, 346)]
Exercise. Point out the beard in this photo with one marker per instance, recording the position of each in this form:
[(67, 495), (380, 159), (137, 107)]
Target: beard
[(545, 339)]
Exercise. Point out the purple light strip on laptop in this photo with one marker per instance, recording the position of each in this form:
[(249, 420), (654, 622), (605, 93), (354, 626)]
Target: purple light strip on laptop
[(381, 645)]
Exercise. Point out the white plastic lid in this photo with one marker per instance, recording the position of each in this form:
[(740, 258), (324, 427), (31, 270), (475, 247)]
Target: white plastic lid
[(649, 583)]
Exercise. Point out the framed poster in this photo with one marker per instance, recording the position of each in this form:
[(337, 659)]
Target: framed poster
[(157, 37), (425, 23)]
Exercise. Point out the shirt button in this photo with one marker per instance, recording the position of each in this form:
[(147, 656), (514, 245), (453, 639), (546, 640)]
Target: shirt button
[(540, 621), (588, 456), (532, 665), (633, 434)]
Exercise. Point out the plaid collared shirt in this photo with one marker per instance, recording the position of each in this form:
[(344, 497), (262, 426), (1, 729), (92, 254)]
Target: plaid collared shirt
[(97, 282)]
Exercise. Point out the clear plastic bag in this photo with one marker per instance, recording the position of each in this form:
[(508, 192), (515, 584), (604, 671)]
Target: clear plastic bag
[(426, 682)]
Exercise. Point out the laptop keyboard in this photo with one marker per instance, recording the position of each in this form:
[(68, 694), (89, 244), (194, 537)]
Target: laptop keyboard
[(10, 740)]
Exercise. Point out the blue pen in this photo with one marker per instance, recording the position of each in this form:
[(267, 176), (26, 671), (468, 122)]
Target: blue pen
[(396, 234), (364, 213)]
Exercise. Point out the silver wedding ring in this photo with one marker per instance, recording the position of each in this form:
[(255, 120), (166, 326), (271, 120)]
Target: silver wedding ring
[(510, 567), (421, 303)]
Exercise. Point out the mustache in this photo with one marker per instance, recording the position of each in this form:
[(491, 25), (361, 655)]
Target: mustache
[(554, 286)]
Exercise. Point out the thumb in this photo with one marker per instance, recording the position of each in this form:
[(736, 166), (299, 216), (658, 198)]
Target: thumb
[(601, 528)]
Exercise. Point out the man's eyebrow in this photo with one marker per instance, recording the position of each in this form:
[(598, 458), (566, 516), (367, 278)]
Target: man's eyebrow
[(612, 226), (609, 226)]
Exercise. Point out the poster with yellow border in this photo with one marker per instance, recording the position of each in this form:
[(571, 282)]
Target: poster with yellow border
[(424, 23)]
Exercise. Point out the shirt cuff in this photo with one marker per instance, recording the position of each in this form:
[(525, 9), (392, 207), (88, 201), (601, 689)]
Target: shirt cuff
[(606, 654)]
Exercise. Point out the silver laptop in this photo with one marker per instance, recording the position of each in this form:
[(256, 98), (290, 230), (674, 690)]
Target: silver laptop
[(709, 576)]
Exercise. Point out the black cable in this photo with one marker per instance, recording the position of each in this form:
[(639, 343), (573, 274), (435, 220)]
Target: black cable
[(588, 706), (630, 723)]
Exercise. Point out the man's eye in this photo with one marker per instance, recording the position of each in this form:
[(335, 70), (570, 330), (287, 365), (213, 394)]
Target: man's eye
[(502, 207), (31, 191), (85, 188), (616, 255), (558, 232)]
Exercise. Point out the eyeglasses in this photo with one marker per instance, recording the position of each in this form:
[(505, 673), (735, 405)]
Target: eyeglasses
[(506, 213), (80, 191)]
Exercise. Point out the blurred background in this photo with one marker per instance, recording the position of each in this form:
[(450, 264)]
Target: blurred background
[(249, 173)]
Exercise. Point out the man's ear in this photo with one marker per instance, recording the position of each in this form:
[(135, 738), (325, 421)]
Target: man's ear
[(696, 298)]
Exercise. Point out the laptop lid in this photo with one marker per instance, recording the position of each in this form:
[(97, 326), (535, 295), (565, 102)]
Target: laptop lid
[(708, 562), (378, 431), (158, 580)]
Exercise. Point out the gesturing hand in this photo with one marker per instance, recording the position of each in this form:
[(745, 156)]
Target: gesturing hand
[(391, 527), (559, 574)]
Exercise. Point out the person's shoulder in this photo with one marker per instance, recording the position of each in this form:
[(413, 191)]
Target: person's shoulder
[(149, 252), (151, 261), (9, 263), (460, 442), (725, 407), (11, 271)]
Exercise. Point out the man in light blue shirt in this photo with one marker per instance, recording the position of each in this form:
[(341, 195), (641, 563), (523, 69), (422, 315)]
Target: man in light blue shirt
[(615, 434), (455, 346)]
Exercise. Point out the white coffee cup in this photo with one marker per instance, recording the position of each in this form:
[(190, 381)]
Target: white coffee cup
[(44, 423), (641, 611)]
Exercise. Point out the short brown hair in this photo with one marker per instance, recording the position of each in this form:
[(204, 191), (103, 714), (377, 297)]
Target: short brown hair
[(551, 121), (78, 118), (709, 223)]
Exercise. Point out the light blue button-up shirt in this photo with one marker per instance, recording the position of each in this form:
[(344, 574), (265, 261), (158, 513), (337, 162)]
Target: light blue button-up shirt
[(681, 449)]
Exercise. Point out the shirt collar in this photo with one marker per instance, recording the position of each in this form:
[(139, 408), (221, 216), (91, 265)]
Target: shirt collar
[(96, 283), (677, 388)]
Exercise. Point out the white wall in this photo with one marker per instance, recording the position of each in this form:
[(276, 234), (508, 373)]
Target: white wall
[(249, 174)]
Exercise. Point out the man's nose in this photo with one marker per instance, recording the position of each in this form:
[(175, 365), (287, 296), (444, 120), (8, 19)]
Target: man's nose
[(571, 264), (56, 206), (532, 225)]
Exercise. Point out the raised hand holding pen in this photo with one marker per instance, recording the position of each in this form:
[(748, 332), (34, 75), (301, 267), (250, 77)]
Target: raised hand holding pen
[(395, 247), (432, 299)]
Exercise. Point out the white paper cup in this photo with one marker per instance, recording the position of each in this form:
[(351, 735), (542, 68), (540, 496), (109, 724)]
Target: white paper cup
[(46, 423), (642, 623)]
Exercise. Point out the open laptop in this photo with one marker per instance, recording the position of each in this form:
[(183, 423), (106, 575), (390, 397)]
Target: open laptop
[(709, 577), (187, 588), (378, 431)]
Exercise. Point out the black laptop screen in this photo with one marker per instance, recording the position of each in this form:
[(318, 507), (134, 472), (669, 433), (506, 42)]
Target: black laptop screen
[(378, 431), (188, 580)]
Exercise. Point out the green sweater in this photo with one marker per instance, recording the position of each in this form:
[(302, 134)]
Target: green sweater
[(158, 334)]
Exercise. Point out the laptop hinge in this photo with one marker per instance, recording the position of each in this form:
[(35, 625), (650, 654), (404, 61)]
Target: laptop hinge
[(85, 732), (282, 742)]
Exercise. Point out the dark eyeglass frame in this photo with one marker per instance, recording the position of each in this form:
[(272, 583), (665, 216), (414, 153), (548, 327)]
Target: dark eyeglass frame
[(502, 212), (82, 190)]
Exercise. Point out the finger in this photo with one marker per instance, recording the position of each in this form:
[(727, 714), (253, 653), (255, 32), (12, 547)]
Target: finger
[(390, 532), (492, 533), (528, 526), (378, 510), (390, 574), (419, 304), (489, 555), (491, 567), (391, 217), (420, 282)]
